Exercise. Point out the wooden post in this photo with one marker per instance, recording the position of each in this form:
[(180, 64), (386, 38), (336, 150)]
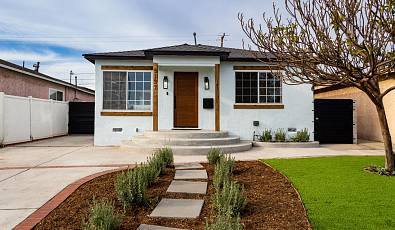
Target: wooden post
[(217, 95), (155, 99)]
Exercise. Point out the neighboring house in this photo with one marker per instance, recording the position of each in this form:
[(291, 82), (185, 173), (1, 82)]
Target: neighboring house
[(193, 87), (19, 81), (367, 118)]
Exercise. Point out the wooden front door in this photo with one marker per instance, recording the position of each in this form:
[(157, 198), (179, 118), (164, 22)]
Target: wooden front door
[(186, 100)]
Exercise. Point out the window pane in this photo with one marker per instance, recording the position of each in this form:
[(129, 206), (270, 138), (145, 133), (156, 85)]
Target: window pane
[(131, 95), (52, 95), (147, 85), (147, 76), (59, 96), (139, 76), (139, 86), (262, 99), (270, 91), (139, 95), (239, 99), (270, 99), (114, 90), (147, 95)]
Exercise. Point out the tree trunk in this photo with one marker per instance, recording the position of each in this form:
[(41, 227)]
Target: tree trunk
[(389, 154)]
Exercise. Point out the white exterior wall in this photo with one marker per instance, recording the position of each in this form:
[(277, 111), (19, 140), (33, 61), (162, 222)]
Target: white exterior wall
[(297, 113), (25, 118), (104, 135), (298, 102)]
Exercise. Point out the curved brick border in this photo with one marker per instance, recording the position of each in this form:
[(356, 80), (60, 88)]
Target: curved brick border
[(38, 215)]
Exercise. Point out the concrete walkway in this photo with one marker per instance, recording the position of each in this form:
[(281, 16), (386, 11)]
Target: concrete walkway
[(32, 173)]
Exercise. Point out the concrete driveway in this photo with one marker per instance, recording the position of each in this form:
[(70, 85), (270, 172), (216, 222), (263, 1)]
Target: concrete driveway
[(32, 173)]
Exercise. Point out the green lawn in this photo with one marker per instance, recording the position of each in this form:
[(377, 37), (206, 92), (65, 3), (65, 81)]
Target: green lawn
[(339, 194)]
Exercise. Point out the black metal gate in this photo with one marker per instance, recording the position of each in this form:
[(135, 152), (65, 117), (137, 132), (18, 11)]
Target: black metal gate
[(333, 121), (81, 117)]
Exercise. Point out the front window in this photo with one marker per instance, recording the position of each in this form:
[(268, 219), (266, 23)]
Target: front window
[(55, 94), (258, 87), (127, 90)]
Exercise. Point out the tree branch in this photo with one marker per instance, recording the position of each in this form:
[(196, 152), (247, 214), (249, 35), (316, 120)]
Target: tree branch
[(386, 92)]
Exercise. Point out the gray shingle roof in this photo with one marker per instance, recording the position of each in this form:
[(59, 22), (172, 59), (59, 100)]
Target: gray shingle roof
[(230, 54)]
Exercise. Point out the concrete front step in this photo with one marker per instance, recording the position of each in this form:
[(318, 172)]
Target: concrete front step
[(177, 141), (194, 134), (192, 150)]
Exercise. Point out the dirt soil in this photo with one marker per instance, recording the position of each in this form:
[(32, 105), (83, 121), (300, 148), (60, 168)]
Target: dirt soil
[(272, 202)]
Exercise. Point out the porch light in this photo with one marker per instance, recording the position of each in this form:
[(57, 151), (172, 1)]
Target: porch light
[(165, 82), (206, 83)]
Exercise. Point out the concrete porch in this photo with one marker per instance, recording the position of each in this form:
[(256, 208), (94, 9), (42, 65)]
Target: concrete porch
[(188, 142)]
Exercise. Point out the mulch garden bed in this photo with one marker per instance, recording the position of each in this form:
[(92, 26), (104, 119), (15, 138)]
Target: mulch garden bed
[(272, 202)]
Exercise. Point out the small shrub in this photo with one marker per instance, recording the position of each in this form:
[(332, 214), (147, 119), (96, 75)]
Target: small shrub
[(225, 223), (102, 216), (131, 186), (279, 135), (379, 170), (302, 136), (167, 155), (213, 155), (266, 135), (123, 188), (223, 170), (230, 200)]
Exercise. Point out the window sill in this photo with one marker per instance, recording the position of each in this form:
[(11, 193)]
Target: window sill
[(126, 113), (258, 106)]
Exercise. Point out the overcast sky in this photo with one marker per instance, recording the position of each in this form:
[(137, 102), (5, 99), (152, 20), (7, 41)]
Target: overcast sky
[(57, 32)]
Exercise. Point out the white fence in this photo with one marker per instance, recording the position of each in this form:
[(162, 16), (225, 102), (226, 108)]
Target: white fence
[(25, 119)]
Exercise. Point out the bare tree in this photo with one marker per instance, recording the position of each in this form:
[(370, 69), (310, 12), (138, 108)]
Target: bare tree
[(333, 42)]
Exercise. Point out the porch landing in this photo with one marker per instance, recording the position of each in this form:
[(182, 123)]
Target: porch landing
[(188, 142)]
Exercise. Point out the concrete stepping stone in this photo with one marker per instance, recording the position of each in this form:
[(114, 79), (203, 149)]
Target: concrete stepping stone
[(178, 208), (181, 186), (155, 227), (188, 166), (190, 174)]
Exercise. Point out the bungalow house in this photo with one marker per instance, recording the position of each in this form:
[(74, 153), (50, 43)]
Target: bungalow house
[(17, 80), (220, 92)]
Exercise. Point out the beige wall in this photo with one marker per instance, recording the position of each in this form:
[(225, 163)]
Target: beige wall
[(368, 124)]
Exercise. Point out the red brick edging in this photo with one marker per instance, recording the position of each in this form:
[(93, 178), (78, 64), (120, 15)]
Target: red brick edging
[(35, 218)]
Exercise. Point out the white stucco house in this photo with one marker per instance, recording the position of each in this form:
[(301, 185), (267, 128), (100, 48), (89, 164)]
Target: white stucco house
[(193, 87)]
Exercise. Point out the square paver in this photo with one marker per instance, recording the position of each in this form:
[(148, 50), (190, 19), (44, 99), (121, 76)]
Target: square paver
[(188, 166), (181, 186), (155, 227), (190, 174), (178, 208)]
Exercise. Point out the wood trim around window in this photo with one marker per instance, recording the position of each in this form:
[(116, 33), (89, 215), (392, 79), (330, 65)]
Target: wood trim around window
[(126, 113), (256, 68), (258, 106), (155, 99), (217, 97), (115, 67)]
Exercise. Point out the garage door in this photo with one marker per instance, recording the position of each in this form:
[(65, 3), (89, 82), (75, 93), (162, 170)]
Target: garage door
[(81, 117), (333, 121)]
